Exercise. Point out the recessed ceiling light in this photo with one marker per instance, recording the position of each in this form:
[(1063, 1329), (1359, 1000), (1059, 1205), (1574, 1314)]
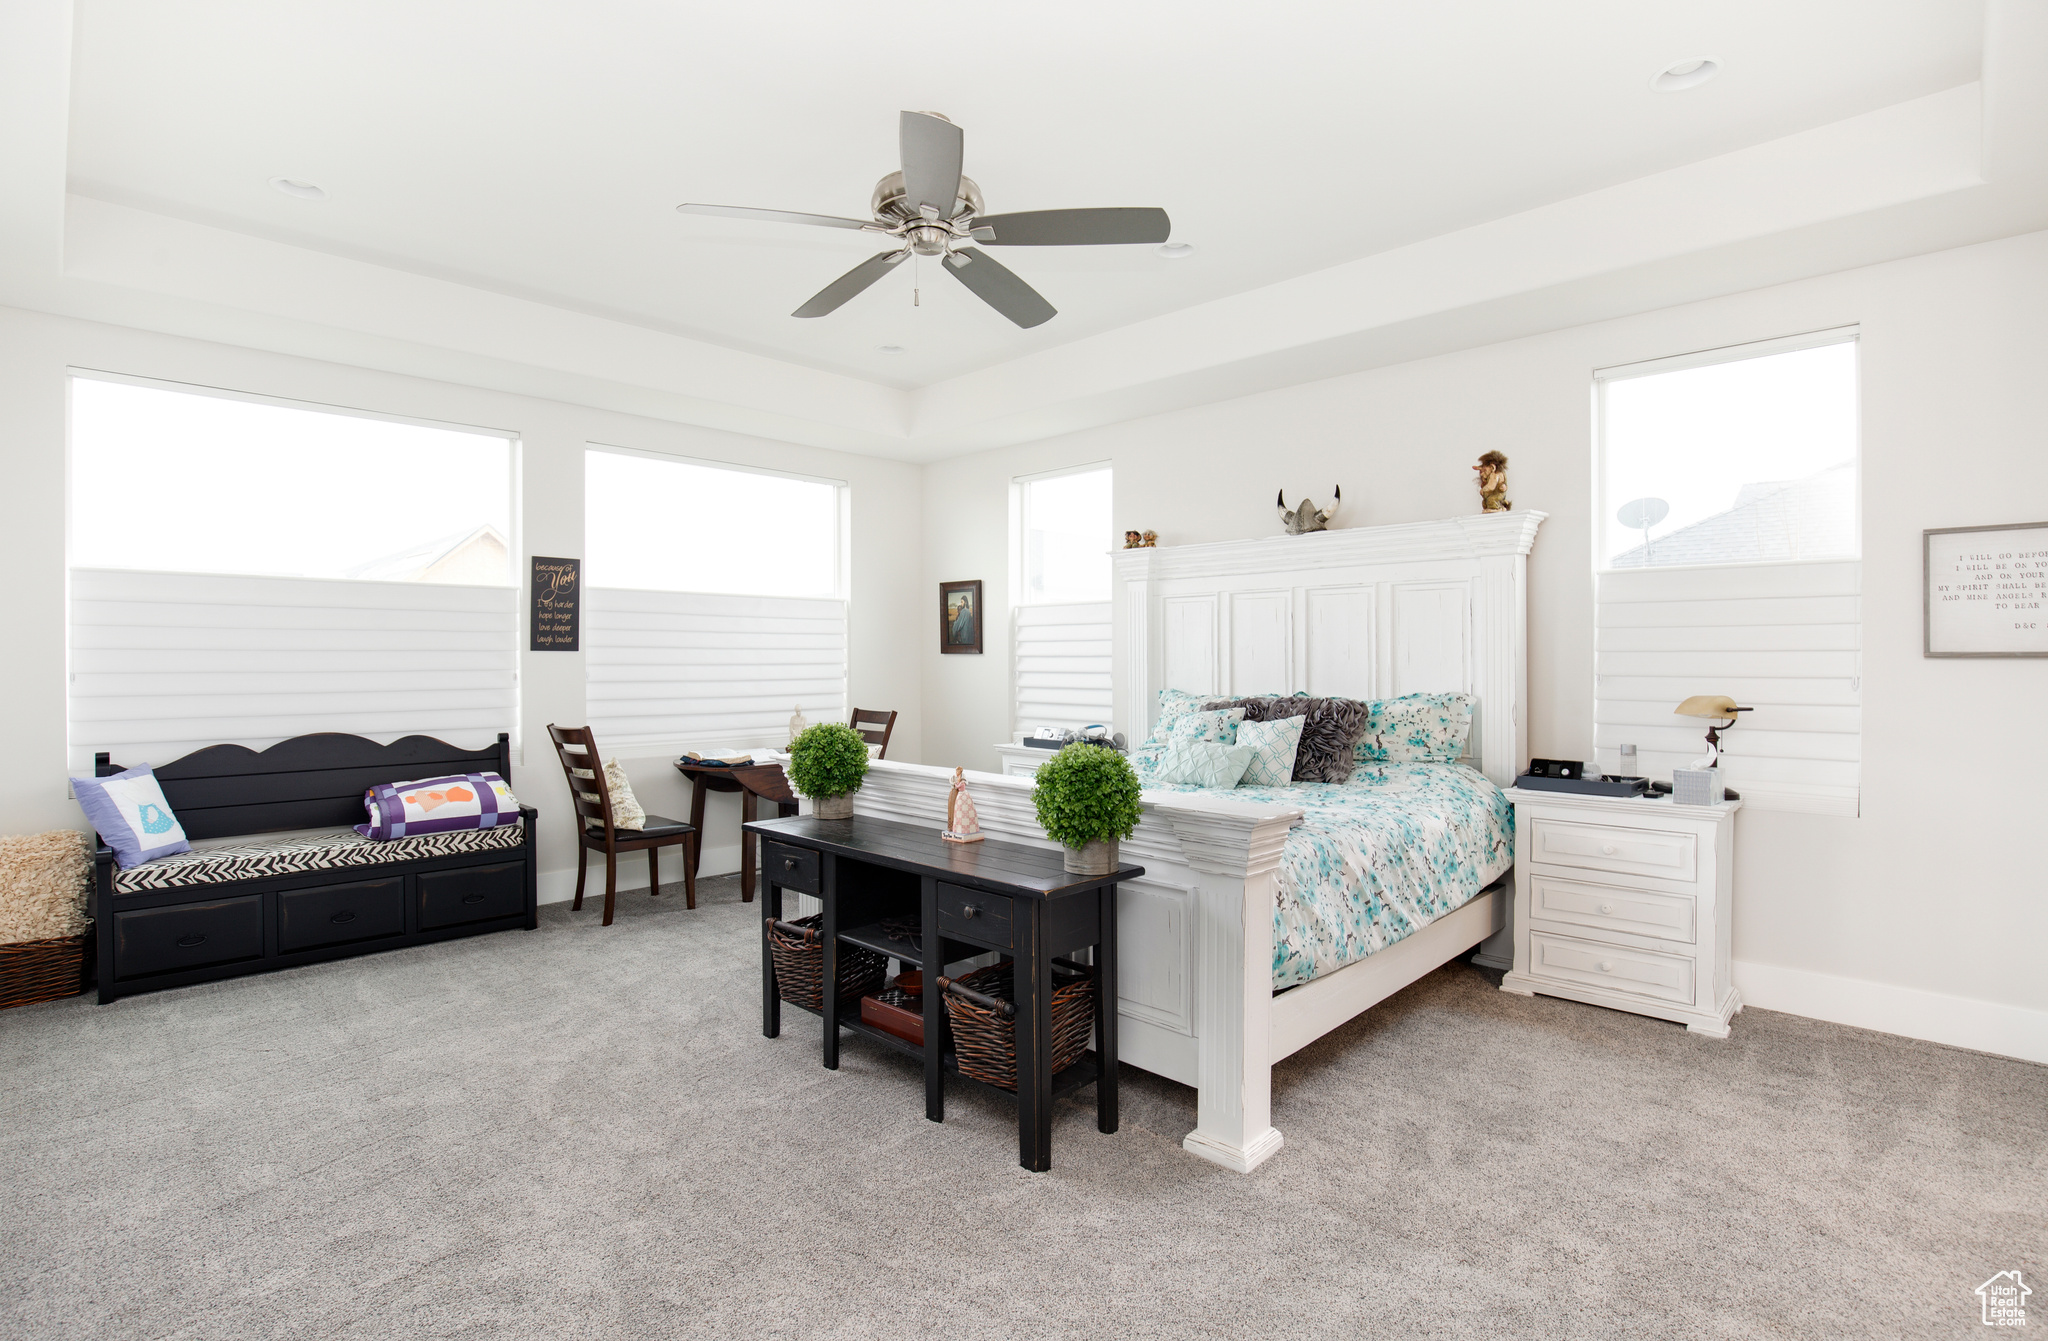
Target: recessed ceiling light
[(291, 186), (890, 349), (1176, 249), (1684, 75)]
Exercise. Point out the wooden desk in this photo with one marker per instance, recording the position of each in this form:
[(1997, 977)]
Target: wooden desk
[(753, 782), (968, 899)]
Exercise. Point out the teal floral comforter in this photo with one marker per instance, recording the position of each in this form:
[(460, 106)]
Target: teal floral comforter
[(1376, 858)]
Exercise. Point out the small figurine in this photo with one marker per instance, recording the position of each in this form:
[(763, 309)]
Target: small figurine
[(1151, 540), (797, 724), (1493, 483), (1132, 540), (1305, 518), (963, 824)]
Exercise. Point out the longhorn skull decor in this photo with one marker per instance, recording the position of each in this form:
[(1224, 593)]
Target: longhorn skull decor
[(1306, 518)]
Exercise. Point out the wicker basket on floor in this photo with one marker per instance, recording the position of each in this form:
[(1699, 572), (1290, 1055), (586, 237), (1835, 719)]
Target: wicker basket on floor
[(32, 971), (798, 949), (979, 1006)]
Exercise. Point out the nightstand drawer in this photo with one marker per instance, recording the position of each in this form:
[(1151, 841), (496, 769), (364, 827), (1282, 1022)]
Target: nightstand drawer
[(1661, 854), (1590, 964), (1640, 912)]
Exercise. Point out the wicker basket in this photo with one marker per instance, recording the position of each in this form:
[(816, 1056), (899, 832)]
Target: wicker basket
[(32, 971), (979, 1007), (799, 952)]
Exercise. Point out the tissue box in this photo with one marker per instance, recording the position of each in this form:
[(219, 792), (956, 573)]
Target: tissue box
[(1696, 786)]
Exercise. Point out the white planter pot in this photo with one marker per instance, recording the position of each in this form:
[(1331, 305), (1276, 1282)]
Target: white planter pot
[(1096, 858), (833, 807)]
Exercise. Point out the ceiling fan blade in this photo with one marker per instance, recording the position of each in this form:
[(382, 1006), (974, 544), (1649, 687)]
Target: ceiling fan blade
[(1076, 228), (998, 286), (830, 298), (931, 162), (774, 216)]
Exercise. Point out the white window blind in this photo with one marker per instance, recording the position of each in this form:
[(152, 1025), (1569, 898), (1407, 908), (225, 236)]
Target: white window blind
[(1728, 564), (713, 607), (1063, 671), (1784, 639), (166, 663), (244, 570), (672, 670)]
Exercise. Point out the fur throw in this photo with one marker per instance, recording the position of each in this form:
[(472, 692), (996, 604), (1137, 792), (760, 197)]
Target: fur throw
[(1328, 737), (44, 879)]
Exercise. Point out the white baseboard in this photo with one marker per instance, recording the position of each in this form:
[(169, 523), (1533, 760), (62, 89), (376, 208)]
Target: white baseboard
[(560, 886), (1959, 1021)]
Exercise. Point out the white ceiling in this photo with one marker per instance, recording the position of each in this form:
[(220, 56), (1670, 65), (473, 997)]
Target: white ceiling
[(538, 150)]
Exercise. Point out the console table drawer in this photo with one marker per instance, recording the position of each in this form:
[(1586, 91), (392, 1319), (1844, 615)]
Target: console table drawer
[(1661, 854), (188, 936), (972, 915), (790, 867), (337, 914), (472, 894), (1641, 912), (1589, 964)]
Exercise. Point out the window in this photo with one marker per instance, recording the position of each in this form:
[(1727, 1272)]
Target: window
[(1062, 641), (1727, 561), (246, 570), (713, 603)]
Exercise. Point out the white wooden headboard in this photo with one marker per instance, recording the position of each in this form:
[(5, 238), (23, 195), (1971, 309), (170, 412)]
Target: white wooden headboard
[(1371, 612)]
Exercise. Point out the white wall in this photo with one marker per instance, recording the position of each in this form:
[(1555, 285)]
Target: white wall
[(1936, 889), (36, 351)]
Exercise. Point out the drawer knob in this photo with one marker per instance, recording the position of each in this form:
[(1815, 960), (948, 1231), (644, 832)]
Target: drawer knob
[(1609, 849), (789, 863), (1606, 907), (969, 910), (342, 919), (472, 898), (187, 942), (1607, 966)]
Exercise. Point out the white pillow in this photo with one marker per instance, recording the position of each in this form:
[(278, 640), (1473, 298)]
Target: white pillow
[(626, 811), (1273, 745), (1199, 764)]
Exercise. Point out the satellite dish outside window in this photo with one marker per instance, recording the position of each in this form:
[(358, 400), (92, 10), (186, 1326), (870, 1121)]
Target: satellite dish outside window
[(1640, 514)]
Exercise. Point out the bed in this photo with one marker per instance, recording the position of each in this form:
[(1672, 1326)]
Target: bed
[(1375, 859), (1367, 613)]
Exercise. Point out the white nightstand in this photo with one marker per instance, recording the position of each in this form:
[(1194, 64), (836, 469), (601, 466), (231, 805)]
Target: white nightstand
[(1020, 761), (1624, 902)]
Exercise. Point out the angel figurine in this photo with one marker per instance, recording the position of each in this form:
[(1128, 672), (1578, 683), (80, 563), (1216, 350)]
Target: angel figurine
[(963, 825)]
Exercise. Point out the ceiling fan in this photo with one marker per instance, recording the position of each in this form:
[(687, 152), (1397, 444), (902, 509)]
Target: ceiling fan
[(929, 209)]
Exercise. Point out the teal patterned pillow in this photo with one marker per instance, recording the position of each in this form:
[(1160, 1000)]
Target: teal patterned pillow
[(1417, 729), (1200, 764), (1272, 745), (1175, 703), (1215, 728)]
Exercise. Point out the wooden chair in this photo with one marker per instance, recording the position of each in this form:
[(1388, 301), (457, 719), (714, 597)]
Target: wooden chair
[(591, 802), (875, 728)]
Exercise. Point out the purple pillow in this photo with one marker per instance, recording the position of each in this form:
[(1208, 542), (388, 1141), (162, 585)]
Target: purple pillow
[(438, 805)]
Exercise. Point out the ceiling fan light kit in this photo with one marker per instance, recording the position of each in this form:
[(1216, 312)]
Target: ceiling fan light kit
[(929, 208)]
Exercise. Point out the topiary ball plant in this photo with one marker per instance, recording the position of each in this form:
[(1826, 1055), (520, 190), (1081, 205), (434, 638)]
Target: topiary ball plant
[(1086, 793), (828, 760)]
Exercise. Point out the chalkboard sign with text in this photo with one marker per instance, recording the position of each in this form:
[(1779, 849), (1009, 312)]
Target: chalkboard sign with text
[(557, 602)]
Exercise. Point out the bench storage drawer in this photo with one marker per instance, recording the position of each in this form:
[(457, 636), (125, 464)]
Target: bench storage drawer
[(187, 936), (790, 867), (973, 915), (337, 914), (471, 894)]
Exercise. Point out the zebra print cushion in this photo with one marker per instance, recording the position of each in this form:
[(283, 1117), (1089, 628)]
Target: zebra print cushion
[(294, 854)]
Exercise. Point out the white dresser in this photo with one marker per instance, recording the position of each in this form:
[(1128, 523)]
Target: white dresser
[(1624, 902)]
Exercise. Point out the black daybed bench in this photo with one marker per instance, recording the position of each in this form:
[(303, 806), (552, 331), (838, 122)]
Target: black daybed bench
[(284, 898)]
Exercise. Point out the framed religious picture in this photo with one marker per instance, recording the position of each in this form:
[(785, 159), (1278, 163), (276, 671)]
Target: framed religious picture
[(960, 617), (1986, 590)]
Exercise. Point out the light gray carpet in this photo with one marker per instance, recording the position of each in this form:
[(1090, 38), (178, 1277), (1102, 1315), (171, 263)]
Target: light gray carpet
[(579, 1132)]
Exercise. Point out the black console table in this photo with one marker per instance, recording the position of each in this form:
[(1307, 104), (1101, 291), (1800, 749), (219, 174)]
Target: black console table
[(968, 898)]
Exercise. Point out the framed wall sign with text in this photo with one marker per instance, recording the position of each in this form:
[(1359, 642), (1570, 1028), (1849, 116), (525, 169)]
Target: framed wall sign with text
[(557, 604), (1987, 590)]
